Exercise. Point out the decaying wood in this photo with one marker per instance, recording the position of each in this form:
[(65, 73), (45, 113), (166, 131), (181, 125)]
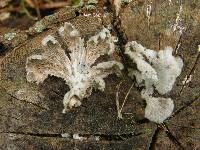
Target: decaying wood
[(31, 115)]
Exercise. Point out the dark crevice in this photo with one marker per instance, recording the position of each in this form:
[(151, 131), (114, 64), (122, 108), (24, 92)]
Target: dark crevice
[(177, 45), (142, 121), (197, 97), (101, 137), (24, 101), (173, 138), (179, 41), (186, 105), (186, 127), (3, 49), (121, 43), (77, 13), (113, 137), (116, 23), (159, 41), (154, 139), (34, 134), (190, 73), (43, 108)]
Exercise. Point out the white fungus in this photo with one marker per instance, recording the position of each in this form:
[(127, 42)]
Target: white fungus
[(78, 137), (77, 68), (105, 34), (155, 71), (65, 135), (158, 108)]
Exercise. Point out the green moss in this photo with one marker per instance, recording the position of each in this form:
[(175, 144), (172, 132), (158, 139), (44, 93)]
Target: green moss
[(78, 2), (90, 7), (92, 2), (125, 2), (148, 131), (10, 36), (20, 81), (39, 27)]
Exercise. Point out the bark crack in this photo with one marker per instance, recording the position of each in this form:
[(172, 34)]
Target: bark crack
[(24, 101), (182, 126), (173, 138), (178, 44), (34, 134), (28, 102), (186, 105), (190, 73), (116, 23), (154, 138), (101, 137)]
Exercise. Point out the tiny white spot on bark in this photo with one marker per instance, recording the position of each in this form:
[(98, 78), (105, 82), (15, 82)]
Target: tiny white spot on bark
[(47, 39), (65, 135), (78, 137)]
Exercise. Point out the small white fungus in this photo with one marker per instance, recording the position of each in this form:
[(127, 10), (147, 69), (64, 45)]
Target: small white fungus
[(78, 137), (65, 135), (47, 39)]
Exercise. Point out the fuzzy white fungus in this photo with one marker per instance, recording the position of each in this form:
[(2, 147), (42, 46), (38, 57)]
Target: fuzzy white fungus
[(155, 69), (158, 108)]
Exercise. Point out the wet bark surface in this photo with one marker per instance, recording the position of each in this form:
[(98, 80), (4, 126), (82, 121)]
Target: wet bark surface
[(31, 115)]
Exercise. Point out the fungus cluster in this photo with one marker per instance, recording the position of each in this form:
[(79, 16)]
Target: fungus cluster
[(155, 71)]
